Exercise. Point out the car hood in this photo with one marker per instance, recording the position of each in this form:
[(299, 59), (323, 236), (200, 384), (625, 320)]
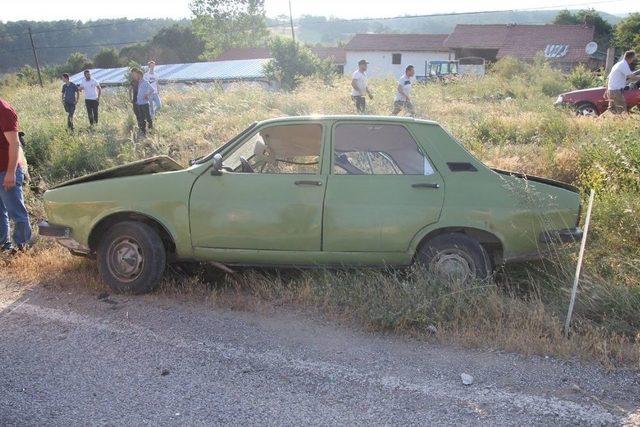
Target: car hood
[(141, 167), (585, 91), (547, 181)]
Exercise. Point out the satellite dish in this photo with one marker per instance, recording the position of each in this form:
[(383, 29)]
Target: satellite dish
[(591, 48)]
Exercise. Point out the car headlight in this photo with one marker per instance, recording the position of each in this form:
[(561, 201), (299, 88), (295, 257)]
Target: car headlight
[(560, 100)]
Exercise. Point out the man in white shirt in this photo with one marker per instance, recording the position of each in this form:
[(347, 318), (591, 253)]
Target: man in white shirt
[(403, 93), (617, 82), (152, 78), (92, 91), (360, 86)]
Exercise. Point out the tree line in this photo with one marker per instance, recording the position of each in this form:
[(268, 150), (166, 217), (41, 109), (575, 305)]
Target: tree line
[(221, 24)]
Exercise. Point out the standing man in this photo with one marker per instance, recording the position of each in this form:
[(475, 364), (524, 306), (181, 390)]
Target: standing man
[(70, 96), (403, 93), (11, 180), (617, 82), (143, 97), (92, 92), (152, 78), (360, 86)]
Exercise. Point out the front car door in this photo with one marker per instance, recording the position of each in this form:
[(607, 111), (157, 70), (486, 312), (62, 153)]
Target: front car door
[(382, 189), (269, 195)]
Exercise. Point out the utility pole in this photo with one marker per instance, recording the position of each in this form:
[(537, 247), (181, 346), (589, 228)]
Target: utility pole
[(35, 56), (293, 33)]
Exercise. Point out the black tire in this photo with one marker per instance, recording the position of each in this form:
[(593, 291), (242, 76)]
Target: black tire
[(586, 109), (131, 258), (455, 257)]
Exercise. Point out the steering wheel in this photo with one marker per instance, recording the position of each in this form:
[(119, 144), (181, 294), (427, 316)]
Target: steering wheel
[(246, 166)]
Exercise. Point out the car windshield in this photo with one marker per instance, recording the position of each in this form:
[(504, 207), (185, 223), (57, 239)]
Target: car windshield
[(204, 159)]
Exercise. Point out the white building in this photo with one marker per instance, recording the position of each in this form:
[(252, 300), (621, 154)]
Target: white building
[(389, 54)]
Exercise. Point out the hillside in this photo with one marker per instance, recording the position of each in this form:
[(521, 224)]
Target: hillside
[(314, 29), (56, 40)]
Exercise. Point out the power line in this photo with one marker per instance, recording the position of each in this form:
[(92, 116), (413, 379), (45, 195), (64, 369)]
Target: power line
[(81, 45)]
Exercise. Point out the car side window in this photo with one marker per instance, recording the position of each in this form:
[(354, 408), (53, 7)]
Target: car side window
[(377, 149), (281, 149)]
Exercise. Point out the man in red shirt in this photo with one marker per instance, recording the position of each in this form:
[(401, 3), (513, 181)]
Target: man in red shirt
[(12, 178)]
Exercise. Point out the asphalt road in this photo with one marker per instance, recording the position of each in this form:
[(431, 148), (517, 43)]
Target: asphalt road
[(68, 357)]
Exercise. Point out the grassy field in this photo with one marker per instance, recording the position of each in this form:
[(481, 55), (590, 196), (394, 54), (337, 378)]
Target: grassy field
[(506, 119)]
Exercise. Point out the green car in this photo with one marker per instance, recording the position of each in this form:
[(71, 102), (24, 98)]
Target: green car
[(325, 191)]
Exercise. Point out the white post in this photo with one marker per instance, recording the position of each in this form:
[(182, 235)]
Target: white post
[(574, 291)]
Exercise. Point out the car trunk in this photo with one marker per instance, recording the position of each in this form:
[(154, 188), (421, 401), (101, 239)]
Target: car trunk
[(542, 180)]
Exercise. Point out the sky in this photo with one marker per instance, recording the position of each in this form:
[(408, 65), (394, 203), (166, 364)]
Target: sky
[(48, 10)]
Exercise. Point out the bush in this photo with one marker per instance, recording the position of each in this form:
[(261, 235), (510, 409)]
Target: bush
[(509, 67), (581, 78)]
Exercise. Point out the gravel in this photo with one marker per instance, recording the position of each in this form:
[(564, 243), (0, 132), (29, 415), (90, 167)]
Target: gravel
[(68, 357)]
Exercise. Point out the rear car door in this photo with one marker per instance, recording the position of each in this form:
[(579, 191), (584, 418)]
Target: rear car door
[(381, 191)]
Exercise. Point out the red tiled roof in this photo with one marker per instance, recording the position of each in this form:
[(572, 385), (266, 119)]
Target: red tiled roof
[(337, 53), (398, 42), (523, 41), (237, 53)]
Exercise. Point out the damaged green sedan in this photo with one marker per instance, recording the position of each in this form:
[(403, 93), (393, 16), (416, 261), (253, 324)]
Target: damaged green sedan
[(327, 191)]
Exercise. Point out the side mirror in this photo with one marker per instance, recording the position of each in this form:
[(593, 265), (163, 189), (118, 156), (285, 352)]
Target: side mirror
[(216, 164)]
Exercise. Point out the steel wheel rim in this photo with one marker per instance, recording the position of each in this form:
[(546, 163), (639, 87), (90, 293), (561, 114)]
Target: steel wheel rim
[(587, 111), (453, 265), (125, 259)]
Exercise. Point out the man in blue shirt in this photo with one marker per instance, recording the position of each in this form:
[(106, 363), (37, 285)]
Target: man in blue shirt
[(70, 95), (144, 95)]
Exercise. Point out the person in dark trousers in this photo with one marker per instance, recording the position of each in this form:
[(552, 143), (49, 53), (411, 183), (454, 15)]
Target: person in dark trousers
[(12, 176), (143, 97), (360, 87), (70, 96), (92, 92), (133, 93)]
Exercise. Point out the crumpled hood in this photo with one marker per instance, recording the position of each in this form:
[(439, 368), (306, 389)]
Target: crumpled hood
[(141, 167)]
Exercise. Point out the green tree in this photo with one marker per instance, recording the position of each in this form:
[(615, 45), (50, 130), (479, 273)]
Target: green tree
[(590, 17), (175, 44), (223, 24), (107, 58), (627, 32), (138, 53), (292, 61), (77, 62)]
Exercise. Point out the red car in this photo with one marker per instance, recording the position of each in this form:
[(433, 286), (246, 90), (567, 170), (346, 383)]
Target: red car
[(593, 102)]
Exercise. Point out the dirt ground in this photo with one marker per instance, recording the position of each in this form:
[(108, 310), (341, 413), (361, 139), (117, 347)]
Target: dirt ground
[(70, 355)]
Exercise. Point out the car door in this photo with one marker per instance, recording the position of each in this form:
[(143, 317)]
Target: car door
[(632, 96), (272, 202), (381, 191)]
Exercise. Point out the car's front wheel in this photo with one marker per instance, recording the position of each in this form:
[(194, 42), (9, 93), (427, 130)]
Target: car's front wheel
[(455, 258), (131, 258), (586, 109)]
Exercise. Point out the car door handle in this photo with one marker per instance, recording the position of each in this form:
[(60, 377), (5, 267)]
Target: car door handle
[(426, 185), (313, 183)]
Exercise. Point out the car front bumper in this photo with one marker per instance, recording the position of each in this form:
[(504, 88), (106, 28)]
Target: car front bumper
[(565, 235), (62, 235)]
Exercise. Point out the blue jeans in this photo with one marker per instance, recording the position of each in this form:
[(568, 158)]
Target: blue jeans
[(12, 207), (154, 104)]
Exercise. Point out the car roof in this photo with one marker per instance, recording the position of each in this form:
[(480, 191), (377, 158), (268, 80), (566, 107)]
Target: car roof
[(351, 118)]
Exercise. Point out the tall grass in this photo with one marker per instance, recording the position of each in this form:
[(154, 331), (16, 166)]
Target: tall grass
[(505, 118)]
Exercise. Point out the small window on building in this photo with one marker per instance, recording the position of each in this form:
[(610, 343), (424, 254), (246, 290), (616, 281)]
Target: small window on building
[(396, 58)]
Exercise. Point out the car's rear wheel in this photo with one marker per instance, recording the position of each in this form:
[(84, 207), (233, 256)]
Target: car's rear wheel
[(586, 109), (455, 258), (131, 258)]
